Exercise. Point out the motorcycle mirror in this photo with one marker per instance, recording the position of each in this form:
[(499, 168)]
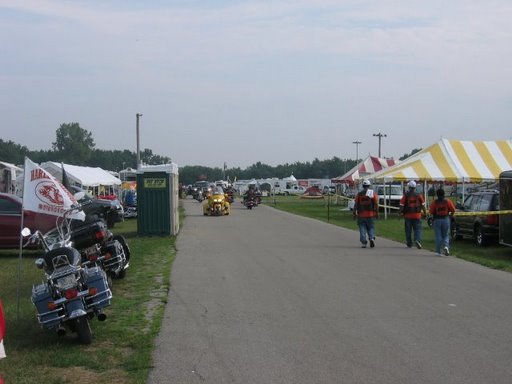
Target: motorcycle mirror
[(25, 232), (39, 263)]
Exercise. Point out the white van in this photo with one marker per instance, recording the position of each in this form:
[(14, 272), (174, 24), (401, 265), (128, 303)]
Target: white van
[(389, 194)]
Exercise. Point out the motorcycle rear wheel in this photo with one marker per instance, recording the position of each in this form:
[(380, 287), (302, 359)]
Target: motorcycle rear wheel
[(83, 330), (126, 249), (124, 244)]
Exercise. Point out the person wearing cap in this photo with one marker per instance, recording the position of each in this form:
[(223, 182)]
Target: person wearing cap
[(412, 205), (366, 210), (441, 209)]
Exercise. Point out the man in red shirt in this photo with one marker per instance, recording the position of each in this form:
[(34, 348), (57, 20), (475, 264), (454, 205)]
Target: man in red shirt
[(366, 210), (412, 205)]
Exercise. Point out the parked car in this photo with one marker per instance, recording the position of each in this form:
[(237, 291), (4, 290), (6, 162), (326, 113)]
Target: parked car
[(10, 220), (484, 228)]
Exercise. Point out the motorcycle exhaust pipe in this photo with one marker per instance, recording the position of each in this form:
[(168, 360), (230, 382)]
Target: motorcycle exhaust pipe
[(101, 316), (61, 331)]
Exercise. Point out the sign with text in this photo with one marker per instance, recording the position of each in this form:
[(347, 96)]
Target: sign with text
[(155, 183)]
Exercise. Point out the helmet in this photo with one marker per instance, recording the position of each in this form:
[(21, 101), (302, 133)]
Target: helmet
[(366, 183), (411, 184)]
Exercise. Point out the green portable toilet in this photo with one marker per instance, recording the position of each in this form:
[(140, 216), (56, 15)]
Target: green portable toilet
[(157, 200)]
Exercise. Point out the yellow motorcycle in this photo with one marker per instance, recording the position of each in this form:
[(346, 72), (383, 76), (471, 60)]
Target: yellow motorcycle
[(217, 203)]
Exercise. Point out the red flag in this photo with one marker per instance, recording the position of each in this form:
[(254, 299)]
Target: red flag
[(2, 334), (44, 193)]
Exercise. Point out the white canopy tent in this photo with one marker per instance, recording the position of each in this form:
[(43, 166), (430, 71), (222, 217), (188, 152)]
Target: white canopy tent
[(96, 180)]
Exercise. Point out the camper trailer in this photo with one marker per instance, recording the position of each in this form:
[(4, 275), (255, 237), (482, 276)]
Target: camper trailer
[(8, 173), (505, 221)]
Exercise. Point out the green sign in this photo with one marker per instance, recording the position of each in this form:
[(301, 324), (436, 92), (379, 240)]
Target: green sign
[(155, 183)]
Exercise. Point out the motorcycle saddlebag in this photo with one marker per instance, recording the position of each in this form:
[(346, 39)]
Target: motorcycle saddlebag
[(95, 277), (41, 296), (117, 256)]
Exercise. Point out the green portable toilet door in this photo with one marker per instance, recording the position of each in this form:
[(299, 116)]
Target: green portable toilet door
[(153, 203)]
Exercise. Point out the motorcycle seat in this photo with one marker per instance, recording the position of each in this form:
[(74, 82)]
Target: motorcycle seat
[(61, 257)]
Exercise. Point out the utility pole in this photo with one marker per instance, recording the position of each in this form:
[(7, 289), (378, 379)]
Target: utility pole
[(380, 136), (357, 149), (138, 115)]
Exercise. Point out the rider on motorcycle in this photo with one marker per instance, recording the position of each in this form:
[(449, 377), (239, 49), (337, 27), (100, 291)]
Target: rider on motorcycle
[(250, 193)]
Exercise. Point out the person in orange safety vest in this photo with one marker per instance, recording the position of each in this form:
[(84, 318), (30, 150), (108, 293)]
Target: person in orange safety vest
[(366, 210), (412, 206), (441, 209)]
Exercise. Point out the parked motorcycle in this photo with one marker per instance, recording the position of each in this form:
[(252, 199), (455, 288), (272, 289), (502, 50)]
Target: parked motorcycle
[(98, 245), (72, 293), (130, 204), (130, 212)]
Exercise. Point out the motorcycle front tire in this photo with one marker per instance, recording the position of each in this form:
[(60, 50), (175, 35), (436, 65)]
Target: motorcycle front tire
[(83, 330)]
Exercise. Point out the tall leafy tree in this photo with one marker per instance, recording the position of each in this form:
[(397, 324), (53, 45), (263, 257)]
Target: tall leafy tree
[(147, 157), (12, 153), (73, 144)]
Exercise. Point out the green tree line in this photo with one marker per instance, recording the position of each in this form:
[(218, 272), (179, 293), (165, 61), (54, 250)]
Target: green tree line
[(75, 145)]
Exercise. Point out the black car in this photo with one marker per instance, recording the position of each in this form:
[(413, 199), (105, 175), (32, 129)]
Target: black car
[(482, 228), (111, 211)]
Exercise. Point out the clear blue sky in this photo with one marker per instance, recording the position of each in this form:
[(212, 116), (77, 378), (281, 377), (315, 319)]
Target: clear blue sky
[(247, 81)]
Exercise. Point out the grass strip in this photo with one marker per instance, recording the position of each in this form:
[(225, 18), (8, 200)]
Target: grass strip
[(122, 345)]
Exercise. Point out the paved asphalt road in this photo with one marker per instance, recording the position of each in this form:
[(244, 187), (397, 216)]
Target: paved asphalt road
[(262, 296)]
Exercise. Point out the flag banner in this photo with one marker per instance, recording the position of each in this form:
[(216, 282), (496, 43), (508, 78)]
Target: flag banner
[(2, 332), (43, 193)]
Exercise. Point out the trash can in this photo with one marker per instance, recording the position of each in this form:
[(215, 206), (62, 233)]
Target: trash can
[(158, 200)]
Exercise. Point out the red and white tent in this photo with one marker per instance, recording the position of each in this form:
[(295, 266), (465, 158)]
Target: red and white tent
[(365, 168)]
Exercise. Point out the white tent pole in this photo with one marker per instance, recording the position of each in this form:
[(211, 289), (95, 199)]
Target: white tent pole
[(425, 194), (386, 202)]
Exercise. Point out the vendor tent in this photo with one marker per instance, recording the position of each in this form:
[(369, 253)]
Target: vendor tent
[(96, 179), (453, 161), (368, 166)]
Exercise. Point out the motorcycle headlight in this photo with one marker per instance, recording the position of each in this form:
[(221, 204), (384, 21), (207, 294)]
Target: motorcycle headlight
[(216, 200)]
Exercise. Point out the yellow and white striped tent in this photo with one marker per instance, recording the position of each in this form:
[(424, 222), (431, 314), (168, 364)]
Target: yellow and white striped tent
[(453, 161)]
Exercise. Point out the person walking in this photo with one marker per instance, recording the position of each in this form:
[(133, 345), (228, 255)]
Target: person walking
[(366, 210), (441, 209), (412, 205)]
